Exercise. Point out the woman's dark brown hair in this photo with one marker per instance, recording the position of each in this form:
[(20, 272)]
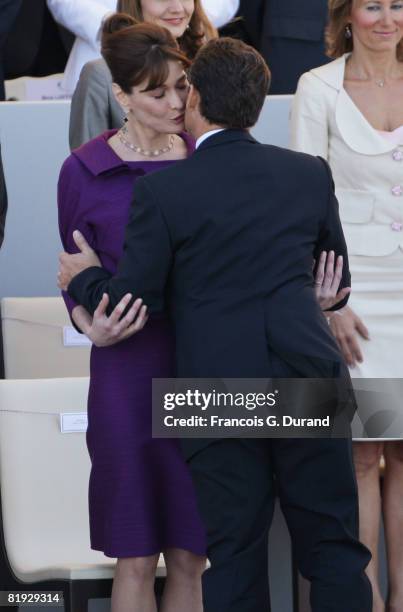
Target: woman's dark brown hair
[(200, 29), (339, 17), (138, 52)]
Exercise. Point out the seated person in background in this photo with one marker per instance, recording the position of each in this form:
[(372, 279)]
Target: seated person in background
[(94, 109), (84, 20), (8, 13), (290, 36), (36, 45)]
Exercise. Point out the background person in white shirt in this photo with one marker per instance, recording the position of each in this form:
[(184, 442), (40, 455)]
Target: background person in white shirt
[(84, 19), (94, 108)]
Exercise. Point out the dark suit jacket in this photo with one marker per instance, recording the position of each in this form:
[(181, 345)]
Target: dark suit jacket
[(36, 45), (231, 233), (8, 12), (290, 36)]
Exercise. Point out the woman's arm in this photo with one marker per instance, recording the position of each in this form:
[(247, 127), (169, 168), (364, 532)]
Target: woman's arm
[(82, 17), (70, 215), (309, 134), (220, 12)]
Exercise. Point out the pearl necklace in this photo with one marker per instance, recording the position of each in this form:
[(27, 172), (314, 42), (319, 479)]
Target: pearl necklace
[(123, 132)]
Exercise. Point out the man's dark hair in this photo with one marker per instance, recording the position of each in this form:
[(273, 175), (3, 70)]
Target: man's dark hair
[(232, 79)]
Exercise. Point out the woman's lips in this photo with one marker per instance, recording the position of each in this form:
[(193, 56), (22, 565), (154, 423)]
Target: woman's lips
[(175, 21), (179, 118), (386, 34)]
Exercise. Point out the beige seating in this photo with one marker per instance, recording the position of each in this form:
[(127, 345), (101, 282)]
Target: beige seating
[(33, 340), (44, 481)]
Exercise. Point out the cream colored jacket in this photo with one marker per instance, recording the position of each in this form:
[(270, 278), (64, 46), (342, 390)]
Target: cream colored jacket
[(367, 168)]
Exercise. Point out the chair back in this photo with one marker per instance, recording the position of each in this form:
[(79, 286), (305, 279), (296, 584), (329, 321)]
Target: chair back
[(39, 340)]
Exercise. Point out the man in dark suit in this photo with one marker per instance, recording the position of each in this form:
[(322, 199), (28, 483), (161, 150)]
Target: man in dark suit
[(229, 236), (290, 36)]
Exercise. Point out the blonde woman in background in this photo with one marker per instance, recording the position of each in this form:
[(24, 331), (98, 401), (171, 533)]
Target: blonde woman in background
[(351, 113)]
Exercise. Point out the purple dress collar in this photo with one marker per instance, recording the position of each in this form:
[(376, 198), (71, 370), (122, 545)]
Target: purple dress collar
[(98, 157)]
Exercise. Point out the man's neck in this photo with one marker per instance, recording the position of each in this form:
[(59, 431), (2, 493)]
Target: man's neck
[(203, 129)]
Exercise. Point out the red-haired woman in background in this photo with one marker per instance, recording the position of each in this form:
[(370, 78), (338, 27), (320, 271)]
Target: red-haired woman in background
[(351, 113)]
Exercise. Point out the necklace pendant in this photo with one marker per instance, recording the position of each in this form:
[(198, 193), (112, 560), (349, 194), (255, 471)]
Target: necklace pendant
[(380, 83)]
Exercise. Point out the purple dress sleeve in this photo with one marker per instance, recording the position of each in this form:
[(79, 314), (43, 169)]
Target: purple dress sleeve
[(71, 214)]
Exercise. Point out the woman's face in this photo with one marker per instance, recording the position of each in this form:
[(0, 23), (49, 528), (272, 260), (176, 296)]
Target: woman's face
[(174, 15), (377, 24), (162, 109)]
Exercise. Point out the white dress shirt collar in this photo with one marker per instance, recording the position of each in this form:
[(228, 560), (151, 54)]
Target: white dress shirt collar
[(207, 135)]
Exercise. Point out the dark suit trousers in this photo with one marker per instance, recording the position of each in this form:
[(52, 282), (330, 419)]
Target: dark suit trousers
[(234, 481)]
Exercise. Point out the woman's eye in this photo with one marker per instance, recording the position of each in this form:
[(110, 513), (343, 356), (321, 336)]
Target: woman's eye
[(159, 96)]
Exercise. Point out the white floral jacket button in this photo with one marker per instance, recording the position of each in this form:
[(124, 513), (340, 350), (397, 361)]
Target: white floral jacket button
[(397, 190)]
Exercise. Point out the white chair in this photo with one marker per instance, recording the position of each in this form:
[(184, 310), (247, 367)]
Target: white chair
[(44, 482), (39, 340)]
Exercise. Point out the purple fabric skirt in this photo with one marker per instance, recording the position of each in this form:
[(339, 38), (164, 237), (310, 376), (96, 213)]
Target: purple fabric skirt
[(141, 497)]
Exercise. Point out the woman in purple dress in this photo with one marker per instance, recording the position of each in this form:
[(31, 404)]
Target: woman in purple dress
[(141, 500)]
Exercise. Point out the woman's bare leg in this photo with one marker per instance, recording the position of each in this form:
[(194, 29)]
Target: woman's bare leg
[(367, 456), (393, 518), (133, 585), (183, 590)]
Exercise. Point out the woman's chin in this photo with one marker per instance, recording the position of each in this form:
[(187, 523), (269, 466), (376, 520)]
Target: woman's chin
[(176, 31)]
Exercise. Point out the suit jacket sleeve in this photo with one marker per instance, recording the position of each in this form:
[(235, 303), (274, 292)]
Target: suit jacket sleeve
[(145, 264), (89, 112), (331, 236), (309, 122), (9, 10)]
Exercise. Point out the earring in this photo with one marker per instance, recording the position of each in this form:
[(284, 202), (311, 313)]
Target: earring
[(347, 32)]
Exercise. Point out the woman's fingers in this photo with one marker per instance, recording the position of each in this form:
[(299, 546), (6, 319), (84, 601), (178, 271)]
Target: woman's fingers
[(135, 327), (355, 349), (329, 273), (102, 306), (141, 319), (337, 274), (132, 313), (81, 242), (320, 270), (116, 318), (340, 295), (361, 328)]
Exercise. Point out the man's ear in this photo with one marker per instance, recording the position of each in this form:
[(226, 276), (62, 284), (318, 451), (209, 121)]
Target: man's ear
[(193, 100), (121, 97)]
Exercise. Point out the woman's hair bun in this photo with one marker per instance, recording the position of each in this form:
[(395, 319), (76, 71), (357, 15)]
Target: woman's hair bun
[(117, 22)]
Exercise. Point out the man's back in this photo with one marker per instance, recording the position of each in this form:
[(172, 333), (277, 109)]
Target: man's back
[(245, 222)]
